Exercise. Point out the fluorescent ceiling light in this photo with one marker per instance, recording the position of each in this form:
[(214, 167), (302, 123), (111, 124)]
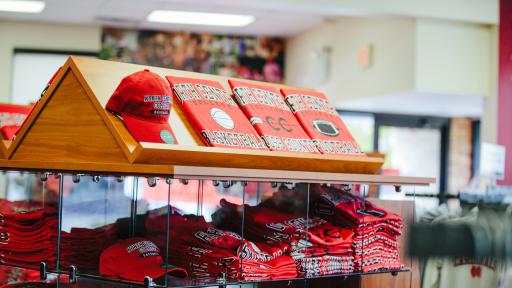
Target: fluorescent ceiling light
[(21, 6), (200, 18)]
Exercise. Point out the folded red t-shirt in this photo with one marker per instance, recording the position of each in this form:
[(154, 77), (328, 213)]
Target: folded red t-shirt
[(271, 117), (268, 225), (321, 122), (214, 114), (24, 212), (333, 203)]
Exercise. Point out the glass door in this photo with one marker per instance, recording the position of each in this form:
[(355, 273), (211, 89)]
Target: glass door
[(413, 146)]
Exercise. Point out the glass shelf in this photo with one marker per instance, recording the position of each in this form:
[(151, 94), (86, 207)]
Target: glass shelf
[(205, 282), (276, 232)]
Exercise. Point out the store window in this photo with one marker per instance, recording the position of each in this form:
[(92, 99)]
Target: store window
[(414, 146), (412, 152), (32, 69), (362, 127)]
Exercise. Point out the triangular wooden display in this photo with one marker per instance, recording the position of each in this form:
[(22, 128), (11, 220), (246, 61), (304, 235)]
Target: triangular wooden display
[(71, 130), (4, 147)]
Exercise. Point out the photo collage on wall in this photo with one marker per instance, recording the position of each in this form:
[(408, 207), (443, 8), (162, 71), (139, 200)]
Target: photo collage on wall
[(248, 57)]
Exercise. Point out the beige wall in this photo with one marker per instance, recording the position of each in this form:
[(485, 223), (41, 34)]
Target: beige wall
[(460, 58), (392, 69), (407, 54), (489, 124), (41, 36), (427, 56), (452, 57)]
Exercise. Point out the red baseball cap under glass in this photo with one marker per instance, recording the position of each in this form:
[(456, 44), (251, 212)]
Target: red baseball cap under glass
[(133, 259), (144, 100)]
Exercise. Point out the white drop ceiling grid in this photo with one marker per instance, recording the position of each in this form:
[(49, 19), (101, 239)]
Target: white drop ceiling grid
[(273, 17), (270, 20)]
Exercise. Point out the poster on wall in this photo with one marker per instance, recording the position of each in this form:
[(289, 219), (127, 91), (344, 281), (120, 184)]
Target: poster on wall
[(248, 57)]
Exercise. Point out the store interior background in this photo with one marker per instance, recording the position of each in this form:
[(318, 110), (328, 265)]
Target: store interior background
[(414, 80)]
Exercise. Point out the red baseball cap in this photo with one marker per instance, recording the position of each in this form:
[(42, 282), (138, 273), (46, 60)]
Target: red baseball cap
[(143, 100), (133, 259)]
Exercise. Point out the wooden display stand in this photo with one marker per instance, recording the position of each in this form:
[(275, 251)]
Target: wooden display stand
[(72, 113), (4, 147), (70, 131)]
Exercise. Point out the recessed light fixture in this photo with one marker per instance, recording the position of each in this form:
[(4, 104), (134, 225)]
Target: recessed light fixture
[(22, 6), (200, 18)]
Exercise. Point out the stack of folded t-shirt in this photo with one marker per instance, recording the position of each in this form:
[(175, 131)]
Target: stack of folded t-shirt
[(376, 231), (318, 247), (82, 247), (26, 233), (29, 236), (205, 251)]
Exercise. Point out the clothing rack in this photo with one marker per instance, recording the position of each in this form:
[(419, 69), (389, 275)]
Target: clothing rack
[(487, 233), (495, 196)]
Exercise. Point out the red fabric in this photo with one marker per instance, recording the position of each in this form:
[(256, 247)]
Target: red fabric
[(271, 117), (29, 234), (195, 229), (206, 251), (352, 211), (203, 260), (214, 114), (12, 118), (133, 259), (23, 211), (260, 252), (375, 243), (8, 132), (321, 122), (272, 226), (13, 114), (143, 100), (317, 247)]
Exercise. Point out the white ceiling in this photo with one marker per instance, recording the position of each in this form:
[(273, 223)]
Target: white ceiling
[(273, 17), (132, 13)]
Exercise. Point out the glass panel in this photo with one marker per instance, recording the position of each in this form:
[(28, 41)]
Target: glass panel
[(342, 250), (414, 264), (411, 152), (373, 227), (385, 222), (362, 127), (17, 277), (28, 220), (272, 218), (90, 282), (207, 252), (330, 244), (217, 232), (97, 212)]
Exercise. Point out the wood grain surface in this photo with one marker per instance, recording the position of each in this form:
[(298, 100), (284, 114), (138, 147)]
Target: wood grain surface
[(69, 129), (70, 124)]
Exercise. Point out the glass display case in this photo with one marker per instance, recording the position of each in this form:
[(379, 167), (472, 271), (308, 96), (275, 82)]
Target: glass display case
[(181, 232), (84, 203)]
